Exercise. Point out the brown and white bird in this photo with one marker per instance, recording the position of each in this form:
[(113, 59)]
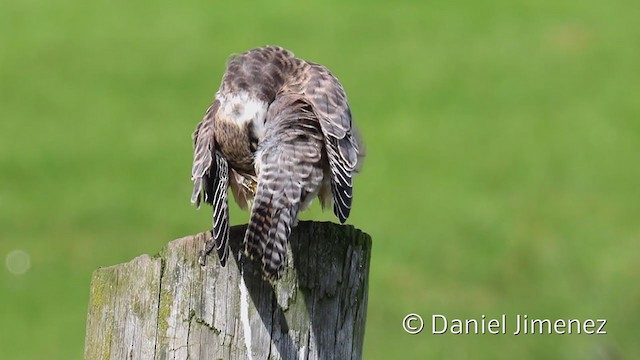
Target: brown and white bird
[(279, 133)]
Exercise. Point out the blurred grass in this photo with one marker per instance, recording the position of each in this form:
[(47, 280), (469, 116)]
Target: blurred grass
[(502, 172)]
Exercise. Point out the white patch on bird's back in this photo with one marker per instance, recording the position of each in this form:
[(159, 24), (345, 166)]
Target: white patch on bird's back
[(241, 108)]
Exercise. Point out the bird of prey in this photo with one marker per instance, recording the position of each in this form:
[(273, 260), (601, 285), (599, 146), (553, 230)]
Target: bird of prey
[(278, 133)]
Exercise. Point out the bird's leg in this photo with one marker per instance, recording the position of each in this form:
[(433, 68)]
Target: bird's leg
[(209, 244)]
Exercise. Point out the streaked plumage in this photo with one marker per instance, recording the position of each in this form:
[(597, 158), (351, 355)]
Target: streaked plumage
[(279, 133)]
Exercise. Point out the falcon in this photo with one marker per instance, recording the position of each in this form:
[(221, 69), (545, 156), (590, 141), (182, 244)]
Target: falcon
[(279, 133)]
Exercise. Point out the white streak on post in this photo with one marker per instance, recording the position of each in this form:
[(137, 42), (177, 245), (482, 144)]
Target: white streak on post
[(244, 315), (302, 353)]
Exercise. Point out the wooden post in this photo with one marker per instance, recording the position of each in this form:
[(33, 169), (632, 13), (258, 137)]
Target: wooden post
[(169, 307)]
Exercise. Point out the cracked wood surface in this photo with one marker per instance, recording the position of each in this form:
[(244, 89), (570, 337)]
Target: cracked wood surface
[(170, 307)]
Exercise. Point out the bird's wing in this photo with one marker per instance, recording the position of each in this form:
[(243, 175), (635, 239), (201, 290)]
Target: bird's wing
[(329, 101), (289, 167), (210, 176)]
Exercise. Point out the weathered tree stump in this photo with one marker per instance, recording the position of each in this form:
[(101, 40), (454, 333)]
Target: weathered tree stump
[(169, 307)]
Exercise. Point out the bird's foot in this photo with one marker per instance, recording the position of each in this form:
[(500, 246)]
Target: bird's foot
[(209, 244)]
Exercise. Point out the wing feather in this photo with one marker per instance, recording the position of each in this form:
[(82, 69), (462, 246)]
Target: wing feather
[(203, 143), (210, 180), (329, 101), (221, 209)]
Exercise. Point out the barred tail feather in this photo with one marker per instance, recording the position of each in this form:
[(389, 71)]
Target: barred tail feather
[(275, 210), (268, 233), (275, 254), (259, 226)]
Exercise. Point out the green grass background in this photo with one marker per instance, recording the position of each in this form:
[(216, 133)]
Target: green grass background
[(502, 172)]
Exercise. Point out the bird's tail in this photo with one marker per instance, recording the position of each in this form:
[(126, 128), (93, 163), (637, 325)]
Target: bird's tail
[(289, 171), (268, 233)]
